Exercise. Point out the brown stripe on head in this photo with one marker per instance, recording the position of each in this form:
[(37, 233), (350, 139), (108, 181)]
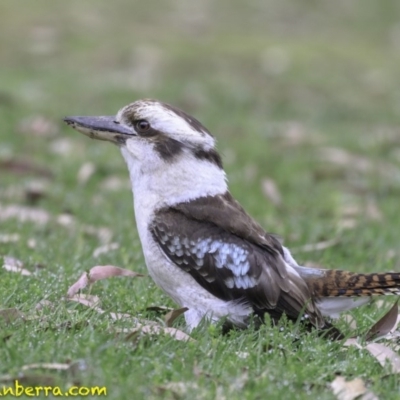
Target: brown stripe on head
[(170, 130), (193, 122), (208, 155), (167, 148), (166, 114)]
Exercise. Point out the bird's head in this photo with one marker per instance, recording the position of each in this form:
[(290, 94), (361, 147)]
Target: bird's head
[(151, 130), (161, 142)]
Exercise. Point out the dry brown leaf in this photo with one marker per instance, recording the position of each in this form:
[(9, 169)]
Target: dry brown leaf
[(358, 163), (317, 246), (56, 366), (62, 147), (85, 172), (88, 300), (103, 234), (12, 268), (386, 324), (38, 126), (384, 355), (107, 271), (350, 320), (92, 302), (391, 254), (242, 354), (312, 264), (31, 243), (350, 211), (68, 221), (30, 379), (24, 214), (9, 237), (179, 389), (97, 273), (73, 367), (346, 223), (25, 167), (12, 264), (239, 382), (120, 316), (159, 330), (171, 316), (138, 323), (350, 208), (42, 217), (295, 134), (35, 190), (105, 249), (12, 192), (175, 333), (114, 183), (271, 191), (160, 309), (381, 302), (11, 314), (352, 342), (43, 304), (372, 211), (350, 390), (353, 208), (394, 334)]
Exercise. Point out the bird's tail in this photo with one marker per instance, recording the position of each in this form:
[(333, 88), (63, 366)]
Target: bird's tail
[(336, 291), (338, 283)]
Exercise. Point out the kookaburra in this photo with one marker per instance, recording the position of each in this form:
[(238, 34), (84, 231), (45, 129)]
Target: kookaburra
[(199, 244)]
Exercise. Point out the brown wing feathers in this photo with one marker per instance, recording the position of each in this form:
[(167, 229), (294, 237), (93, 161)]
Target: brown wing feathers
[(267, 285), (224, 211)]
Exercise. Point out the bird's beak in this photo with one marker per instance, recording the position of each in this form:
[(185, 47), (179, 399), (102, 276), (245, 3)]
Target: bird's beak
[(101, 128)]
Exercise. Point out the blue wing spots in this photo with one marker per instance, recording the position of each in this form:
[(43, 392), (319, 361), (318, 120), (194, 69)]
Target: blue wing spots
[(227, 255), (244, 282), (240, 282), (199, 262), (215, 245), (232, 256), (179, 252), (230, 283)]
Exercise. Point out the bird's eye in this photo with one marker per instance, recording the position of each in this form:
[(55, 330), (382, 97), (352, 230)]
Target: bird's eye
[(142, 126)]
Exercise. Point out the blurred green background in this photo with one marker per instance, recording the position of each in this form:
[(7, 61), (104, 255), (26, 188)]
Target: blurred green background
[(304, 100)]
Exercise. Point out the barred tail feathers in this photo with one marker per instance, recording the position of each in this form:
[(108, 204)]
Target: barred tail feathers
[(336, 291), (338, 283)]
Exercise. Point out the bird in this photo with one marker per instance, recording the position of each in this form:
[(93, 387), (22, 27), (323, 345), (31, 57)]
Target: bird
[(199, 244)]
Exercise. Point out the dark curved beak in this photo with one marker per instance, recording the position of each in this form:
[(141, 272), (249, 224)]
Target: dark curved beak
[(101, 128)]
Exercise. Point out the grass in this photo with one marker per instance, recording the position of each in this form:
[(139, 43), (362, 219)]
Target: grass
[(276, 84)]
